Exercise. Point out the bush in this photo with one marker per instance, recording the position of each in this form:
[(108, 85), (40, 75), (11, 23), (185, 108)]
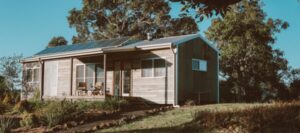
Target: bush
[(113, 104), (6, 124), (272, 118), (7, 99), (108, 104), (21, 106), (3, 108), (56, 112), (190, 103), (28, 120)]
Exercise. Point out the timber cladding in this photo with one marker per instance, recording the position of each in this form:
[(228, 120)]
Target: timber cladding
[(197, 85), (155, 89)]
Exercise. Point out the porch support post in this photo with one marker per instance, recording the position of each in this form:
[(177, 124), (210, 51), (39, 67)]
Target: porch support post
[(71, 82), (105, 73), (41, 79)]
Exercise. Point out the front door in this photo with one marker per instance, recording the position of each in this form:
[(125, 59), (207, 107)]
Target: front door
[(122, 78)]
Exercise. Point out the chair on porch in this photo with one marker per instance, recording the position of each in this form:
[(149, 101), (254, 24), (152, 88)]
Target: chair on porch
[(98, 89), (81, 89)]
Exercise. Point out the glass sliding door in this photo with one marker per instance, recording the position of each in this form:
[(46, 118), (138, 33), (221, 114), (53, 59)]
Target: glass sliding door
[(117, 78), (99, 73), (126, 87), (90, 77)]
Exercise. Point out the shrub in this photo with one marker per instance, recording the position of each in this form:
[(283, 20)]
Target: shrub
[(7, 99), (21, 106), (6, 124), (190, 103), (56, 112), (113, 104), (28, 120), (3, 108), (272, 118)]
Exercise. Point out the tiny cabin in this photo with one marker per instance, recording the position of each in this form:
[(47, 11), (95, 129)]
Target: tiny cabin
[(168, 70)]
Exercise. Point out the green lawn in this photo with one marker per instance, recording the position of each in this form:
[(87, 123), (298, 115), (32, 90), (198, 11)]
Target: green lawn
[(175, 119)]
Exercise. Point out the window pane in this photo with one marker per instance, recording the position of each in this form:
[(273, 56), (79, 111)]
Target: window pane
[(159, 67), (28, 76), (203, 65), (147, 68), (36, 75), (79, 75), (195, 65), (99, 73), (80, 71), (90, 69)]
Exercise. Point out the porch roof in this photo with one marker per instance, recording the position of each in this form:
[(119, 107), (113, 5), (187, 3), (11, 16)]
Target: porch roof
[(112, 45)]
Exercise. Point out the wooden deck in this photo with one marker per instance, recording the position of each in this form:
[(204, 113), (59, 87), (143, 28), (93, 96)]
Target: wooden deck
[(86, 98)]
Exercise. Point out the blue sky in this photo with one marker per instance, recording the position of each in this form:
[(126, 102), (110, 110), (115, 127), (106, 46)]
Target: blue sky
[(27, 26)]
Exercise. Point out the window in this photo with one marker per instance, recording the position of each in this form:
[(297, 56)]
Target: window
[(159, 67), (147, 68), (36, 75), (28, 75), (89, 74), (99, 73), (79, 74), (199, 65), (154, 68), (32, 75), (89, 77)]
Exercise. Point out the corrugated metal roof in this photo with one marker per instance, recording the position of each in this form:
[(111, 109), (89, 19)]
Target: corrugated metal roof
[(118, 43), (172, 39), (85, 46)]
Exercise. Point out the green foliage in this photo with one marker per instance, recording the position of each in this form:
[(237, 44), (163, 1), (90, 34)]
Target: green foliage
[(36, 95), (28, 120), (248, 61), (3, 108), (10, 69), (279, 117), (7, 99), (57, 41), (22, 106), (108, 19), (3, 87), (55, 112), (6, 124), (108, 104), (113, 104), (207, 8)]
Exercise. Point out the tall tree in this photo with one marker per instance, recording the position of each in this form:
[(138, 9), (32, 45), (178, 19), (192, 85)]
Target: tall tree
[(10, 69), (295, 83), (105, 19), (245, 37), (57, 41), (207, 7)]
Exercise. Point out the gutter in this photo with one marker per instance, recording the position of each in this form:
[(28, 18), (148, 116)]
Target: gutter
[(175, 52), (95, 51)]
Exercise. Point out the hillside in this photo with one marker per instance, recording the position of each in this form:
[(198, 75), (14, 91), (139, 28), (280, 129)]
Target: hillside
[(188, 119)]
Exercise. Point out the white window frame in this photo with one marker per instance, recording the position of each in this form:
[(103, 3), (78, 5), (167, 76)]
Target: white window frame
[(200, 64), (152, 68), (31, 81), (76, 73), (84, 71)]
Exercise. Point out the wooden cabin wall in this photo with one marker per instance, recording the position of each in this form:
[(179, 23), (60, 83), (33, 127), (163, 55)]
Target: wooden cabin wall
[(191, 83)]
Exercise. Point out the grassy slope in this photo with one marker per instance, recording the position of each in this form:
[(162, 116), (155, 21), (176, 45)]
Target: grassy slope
[(171, 120)]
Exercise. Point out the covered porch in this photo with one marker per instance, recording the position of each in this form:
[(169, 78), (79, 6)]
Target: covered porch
[(75, 78)]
